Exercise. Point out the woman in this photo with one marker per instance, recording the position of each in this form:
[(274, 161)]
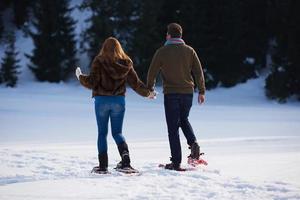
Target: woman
[(110, 71)]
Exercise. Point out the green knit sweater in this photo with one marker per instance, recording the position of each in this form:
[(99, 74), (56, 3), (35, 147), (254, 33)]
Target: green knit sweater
[(177, 63)]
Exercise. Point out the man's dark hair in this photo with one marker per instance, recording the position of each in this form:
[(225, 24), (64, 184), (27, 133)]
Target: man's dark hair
[(174, 30)]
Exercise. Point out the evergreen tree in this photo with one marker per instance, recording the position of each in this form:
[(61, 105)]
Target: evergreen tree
[(255, 32), (53, 57), (3, 6), (148, 35), (284, 79), (21, 11), (109, 18), (101, 25), (224, 41), (233, 65), (200, 30), (1, 26), (125, 17), (9, 65)]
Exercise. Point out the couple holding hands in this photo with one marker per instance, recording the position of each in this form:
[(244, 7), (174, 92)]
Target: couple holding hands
[(112, 68)]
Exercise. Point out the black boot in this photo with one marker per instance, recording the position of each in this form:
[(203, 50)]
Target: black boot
[(124, 153), (103, 164), (103, 161), (195, 151), (173, 166)]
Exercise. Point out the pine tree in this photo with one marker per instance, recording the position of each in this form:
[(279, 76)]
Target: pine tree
[(21, 11), (9, 66), (53, 57), (3, 6), (109, 18), (1, 26), (148, 35), (200, 30), (255, 33), (235, 65), (101, 25), (232, 44), (284, 79), (125, 17)]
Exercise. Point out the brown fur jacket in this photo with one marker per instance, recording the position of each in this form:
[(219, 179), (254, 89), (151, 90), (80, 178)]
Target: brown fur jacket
[(109, 79)]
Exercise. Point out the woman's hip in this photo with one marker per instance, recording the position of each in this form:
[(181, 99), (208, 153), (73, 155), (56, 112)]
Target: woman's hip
[(113, 104), (110, 99)]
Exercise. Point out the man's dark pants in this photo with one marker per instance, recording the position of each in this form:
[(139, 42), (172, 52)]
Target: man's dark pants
[(177, 109)]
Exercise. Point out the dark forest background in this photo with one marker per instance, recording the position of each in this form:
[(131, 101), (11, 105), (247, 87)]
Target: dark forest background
[(236, 40)]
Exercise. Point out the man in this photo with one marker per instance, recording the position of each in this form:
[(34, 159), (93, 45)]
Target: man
[(177, 61)]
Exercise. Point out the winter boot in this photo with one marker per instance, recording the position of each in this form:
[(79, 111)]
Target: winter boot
[(195, 151), (173, 166), (103, 161), (124, 153), (103, 164)]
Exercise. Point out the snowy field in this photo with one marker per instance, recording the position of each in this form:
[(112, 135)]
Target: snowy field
[(48, 139), (48, 146)]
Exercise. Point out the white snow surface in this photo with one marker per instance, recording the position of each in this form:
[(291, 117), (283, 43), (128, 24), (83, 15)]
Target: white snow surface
[(48, 137), (48, 146)]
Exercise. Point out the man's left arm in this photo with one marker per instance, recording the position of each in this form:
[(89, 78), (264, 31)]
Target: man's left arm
[(199, 76), (198, 73), (153, 71)]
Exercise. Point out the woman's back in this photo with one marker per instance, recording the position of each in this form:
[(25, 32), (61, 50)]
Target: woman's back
[(109, 78)]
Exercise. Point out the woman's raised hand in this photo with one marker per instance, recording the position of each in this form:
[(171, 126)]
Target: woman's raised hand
[(78, 72)]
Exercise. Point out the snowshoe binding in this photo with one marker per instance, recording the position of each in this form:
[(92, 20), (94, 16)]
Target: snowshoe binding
[(172, 166), (194, 158), (124, 165)]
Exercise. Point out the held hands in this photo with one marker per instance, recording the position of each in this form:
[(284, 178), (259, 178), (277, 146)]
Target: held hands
[(201, 98), (78, 72), (152, 95)]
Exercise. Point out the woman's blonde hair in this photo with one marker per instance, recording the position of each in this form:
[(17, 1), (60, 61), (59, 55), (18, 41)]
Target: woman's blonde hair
[(112, 51)]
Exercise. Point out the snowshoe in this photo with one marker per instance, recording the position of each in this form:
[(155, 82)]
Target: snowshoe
[(103, 164), (98, 170), (196, 162), (124, 165), (125, 168), (172, 166)]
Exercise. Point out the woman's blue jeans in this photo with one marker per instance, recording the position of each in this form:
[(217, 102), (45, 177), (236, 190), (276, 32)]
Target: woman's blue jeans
[(113, 108)]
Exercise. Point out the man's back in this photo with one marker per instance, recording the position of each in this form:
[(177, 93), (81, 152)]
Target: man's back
[(177, 62)]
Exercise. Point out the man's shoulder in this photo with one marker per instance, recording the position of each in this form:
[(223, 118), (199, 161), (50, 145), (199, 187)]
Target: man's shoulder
[(188, 47), (167, 47), (161, 48), (161, 51)]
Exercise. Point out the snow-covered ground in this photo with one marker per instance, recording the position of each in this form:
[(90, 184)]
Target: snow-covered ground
[(61, 171), (48, 142), (48, 146)]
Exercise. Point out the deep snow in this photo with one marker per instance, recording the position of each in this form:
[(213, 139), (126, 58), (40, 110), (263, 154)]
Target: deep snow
[(48, 143), (62, 172), (64, 112), (48, 146)]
